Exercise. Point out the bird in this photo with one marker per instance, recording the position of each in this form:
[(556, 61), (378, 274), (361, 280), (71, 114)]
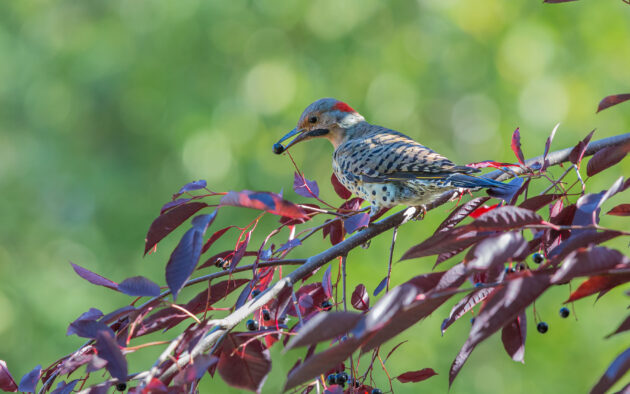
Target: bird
[(382, 166)]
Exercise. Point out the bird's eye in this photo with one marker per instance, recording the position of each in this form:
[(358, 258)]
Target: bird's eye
[(313, 119)]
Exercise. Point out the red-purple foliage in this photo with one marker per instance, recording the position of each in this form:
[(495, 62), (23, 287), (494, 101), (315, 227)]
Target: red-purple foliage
[(487, 244)]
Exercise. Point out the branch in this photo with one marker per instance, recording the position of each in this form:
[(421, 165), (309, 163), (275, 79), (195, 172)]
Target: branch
[(561, 156), (342, 248)]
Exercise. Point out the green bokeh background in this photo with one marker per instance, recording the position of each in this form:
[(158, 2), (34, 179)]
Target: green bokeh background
[(107, 108)]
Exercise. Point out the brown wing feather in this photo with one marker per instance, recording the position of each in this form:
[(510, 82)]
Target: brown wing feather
[(382, 155)]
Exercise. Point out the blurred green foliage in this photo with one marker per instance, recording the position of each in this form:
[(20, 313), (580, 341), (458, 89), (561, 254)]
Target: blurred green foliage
[(107, 107)]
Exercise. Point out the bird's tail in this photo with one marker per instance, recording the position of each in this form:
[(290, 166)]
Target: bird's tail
[(495, 188)]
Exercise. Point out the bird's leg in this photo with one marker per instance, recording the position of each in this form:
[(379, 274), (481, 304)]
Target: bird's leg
[(374, 210)]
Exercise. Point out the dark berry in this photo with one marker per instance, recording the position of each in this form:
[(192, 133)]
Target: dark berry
[(478, 284), (252, 325), (331, 379), (564, 312), (522, 267), (255, 293), (327, 305), (278, 148), (121, 386), (266, 315), (538, 258), (472, 321), (354, 383), (342, 378), (377, 391), (542, 327)]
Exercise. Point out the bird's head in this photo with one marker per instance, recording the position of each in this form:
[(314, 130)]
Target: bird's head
[(328, 118)]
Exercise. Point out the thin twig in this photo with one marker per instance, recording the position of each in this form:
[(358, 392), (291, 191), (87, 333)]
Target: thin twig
[(343, 281), (213, 338), (391, 257)]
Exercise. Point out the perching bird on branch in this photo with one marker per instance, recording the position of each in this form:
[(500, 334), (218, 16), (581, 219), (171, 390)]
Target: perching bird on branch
[(381, 165)]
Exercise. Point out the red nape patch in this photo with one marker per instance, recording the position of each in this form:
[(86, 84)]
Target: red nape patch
[(343, 107)]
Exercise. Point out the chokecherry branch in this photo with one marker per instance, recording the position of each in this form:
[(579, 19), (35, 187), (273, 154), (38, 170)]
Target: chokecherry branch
[(361, 237)]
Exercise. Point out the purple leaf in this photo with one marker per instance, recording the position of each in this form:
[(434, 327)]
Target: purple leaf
[(7, 383), (444, 242), (586, 262), (340, 189), (265, 201), (306, 301), (117, 314), (606, 158), (164, 224), (615, 371), (580, 240), (75, 361), (625, 326), (321, 362), (186, 254), (360, 299), (537, 202), (503, 218), (65, 388), (87, 328), (304, 187), (460, 213), (289, 245), (416, 376), (513, 336), (169, 317), (195, 371), (109, 351), (218, 234), (241, 250), (597, 284), (172, 204), (620, 210), (29, 381), (411, 313), (495, 250), (516, 146), (356, 222), (577, 153), (587, 212), (139, 286), (502, 307), (464, 305), (459, 362), (324, 326), (194, 185), (380, 287), (614, 99), (327, 282), (244, 367), (93, 278), (547, 146), (92, 314), (557, 1)]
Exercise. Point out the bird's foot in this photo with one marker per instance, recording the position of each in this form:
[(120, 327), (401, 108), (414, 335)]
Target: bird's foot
[(366, 244), (421, 212)]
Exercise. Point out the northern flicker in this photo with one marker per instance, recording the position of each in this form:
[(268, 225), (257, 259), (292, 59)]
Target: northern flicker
[(380, 165)]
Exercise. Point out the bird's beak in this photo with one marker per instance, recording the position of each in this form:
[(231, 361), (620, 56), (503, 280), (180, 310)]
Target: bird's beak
[(302, 134), (295, 131)]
